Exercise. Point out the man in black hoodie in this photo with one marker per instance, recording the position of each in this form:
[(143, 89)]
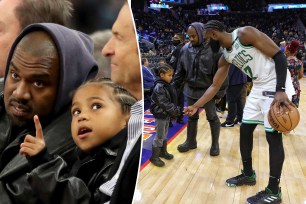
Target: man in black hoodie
[(196, 67), (46, 63)]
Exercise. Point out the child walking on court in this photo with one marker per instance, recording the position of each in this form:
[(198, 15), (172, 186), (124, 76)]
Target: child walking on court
[(100, 113), (163, 107)]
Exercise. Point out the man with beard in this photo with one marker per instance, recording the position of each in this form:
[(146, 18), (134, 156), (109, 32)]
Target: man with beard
[(46, 63), (195, 69), (261, 59)]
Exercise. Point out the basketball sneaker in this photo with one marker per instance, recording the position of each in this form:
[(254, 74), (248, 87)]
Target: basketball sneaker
[(266, 196), (237, 122), (227, 124), (242, 179)]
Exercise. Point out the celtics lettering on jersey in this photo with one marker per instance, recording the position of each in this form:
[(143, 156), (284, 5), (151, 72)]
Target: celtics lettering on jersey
[(241, 59)]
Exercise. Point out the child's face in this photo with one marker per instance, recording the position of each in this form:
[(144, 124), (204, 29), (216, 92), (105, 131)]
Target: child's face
[(96, 116), (167, 77)]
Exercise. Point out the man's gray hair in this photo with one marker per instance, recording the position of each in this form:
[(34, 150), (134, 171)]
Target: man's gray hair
[(43, 11)]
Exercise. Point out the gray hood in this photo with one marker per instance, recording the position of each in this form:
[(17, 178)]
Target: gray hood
[(199, 27)]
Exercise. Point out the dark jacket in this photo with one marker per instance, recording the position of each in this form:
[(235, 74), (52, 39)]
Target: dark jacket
[(236, 76), (175, 56), (76, 66), (126, 183), (164, 100), (81, 183), (196, 69)]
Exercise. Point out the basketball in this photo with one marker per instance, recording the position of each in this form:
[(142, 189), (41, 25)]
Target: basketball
[(283, 122)]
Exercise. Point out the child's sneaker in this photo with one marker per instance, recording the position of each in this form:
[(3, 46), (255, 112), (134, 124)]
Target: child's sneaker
[(266, 196), (242, 180)]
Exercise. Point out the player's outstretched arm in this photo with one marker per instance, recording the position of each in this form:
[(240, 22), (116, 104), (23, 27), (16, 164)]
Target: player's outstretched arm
[(219, 78), (33, 145)]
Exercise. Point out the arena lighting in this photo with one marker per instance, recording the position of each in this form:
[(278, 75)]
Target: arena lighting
[(272, 7), (159, 6), (173, 1), (217, 7)]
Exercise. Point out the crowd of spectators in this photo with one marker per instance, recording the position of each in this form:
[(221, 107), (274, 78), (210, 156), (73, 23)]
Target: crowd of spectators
[(158, 26)]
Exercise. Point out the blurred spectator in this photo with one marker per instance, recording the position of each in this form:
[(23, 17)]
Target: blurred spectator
[(93, 15), (99, 39), (233, 95), (148, 76), (296, 69), (282, 45)]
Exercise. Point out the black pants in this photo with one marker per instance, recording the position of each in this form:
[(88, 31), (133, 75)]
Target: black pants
[(276, 149), (180, 98), (211, 116), (234, 105)]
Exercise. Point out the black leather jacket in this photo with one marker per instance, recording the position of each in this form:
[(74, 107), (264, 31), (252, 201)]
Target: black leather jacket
[(196, 69), (81, 183), (14, 187), (164, 100)]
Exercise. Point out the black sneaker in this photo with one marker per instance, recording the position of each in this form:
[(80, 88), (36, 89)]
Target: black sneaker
[(266, 196), (242, 180), (227, 124)]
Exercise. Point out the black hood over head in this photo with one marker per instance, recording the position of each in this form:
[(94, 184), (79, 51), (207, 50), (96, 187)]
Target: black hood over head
[(76, 61)]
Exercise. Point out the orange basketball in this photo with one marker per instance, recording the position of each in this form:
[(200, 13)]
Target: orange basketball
[(283, 122)]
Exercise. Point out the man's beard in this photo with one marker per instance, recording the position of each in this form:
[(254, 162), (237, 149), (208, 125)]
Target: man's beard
[(215, 45), (18, 123)]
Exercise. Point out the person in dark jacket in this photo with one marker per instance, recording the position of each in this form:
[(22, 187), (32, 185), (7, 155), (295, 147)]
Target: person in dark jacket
[(100, 113), (46, 62), (237, 79), (163, 107), (178, 42), (196, 68)]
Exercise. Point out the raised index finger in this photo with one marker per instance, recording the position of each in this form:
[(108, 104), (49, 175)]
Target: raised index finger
[(39, 132)]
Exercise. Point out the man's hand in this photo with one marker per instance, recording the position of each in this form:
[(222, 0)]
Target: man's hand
[(31, 146), (217, 101), (282, 102), (190, 110)]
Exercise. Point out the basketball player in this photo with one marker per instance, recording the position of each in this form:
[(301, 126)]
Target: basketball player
[(260, 58)]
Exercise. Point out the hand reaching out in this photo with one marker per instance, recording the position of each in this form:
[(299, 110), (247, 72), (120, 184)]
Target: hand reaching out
[(31, 145), (190, 110)]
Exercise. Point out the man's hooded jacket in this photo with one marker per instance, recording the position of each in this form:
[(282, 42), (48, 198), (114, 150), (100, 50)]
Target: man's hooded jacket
[(77, 65), (197, 66)]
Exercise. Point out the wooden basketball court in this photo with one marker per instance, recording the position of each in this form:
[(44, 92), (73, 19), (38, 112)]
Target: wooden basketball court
[(196, 177)]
